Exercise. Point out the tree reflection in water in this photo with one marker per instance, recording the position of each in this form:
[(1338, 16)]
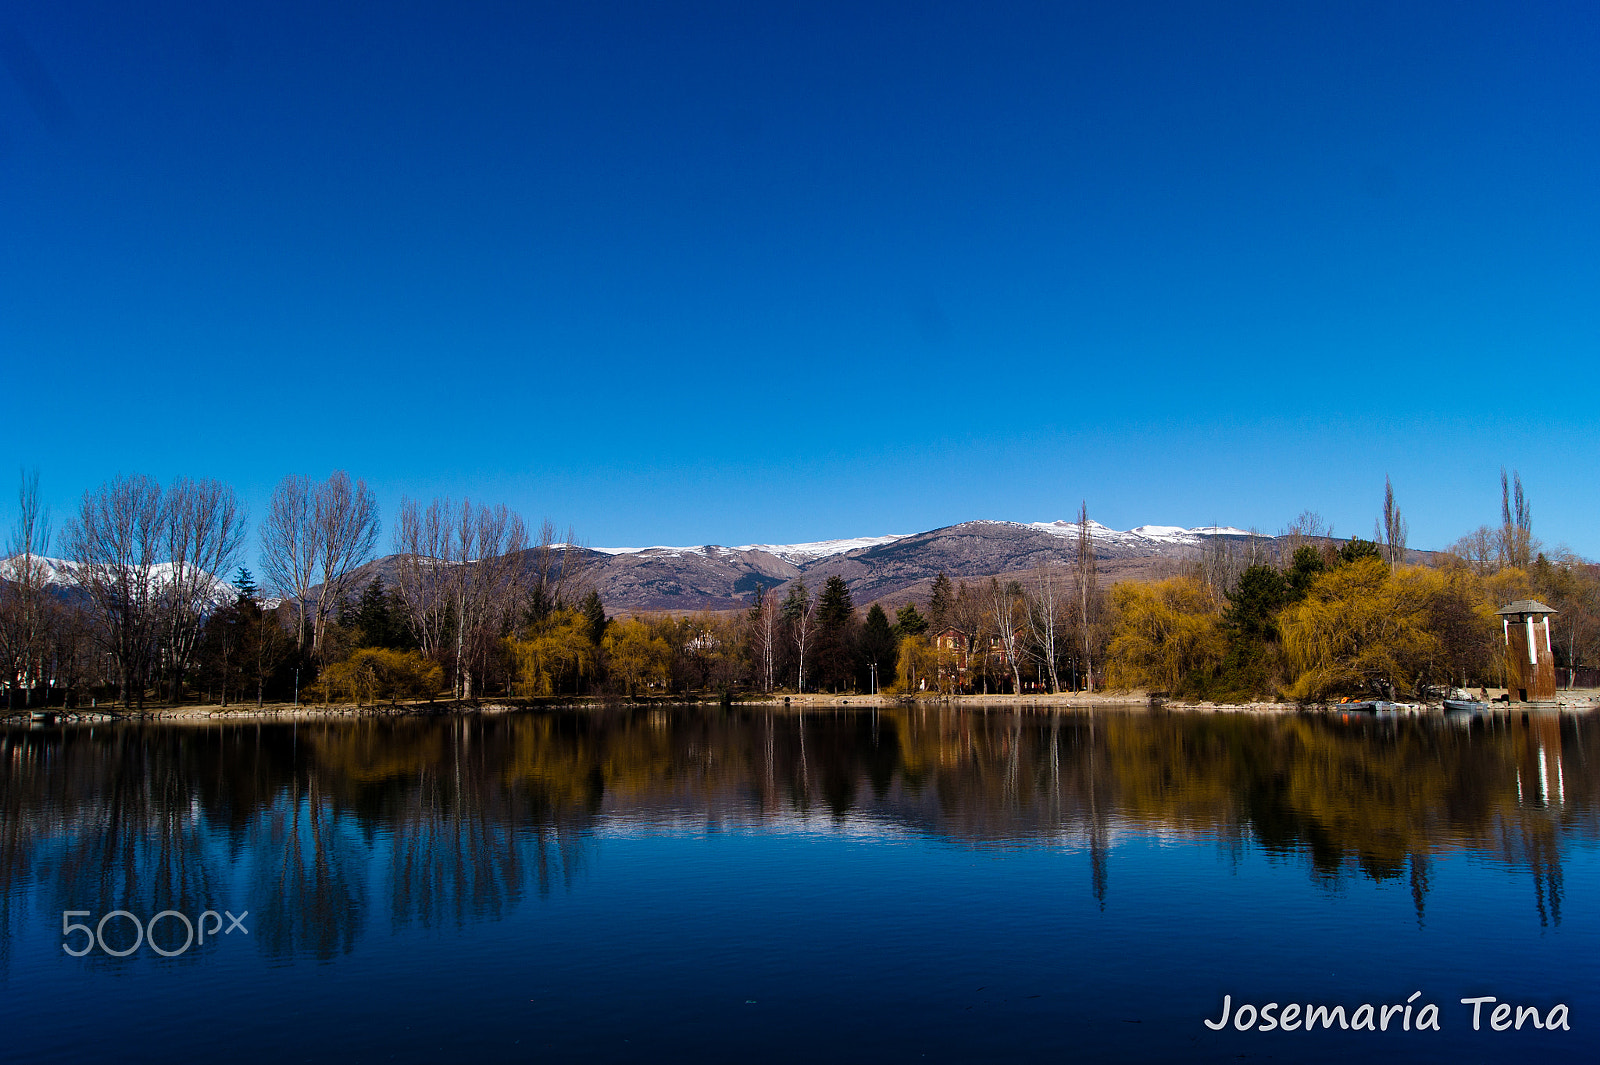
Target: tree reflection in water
[(457, 819)]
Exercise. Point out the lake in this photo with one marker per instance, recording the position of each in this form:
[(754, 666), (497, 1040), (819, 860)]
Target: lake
[(700, 884)]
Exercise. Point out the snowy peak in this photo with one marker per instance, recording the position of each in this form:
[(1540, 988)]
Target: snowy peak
[(62, 573), (1142, 534), (803, 554), (794, 554)]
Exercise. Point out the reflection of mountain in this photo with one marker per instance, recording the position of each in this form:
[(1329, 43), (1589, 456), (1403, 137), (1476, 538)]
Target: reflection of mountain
[(451, 820)]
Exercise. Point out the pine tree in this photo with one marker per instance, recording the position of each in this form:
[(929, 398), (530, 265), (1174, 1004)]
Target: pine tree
[(594, 610), (940, 603), (878, 644), (836, 615), (374, 625), (909, 622)]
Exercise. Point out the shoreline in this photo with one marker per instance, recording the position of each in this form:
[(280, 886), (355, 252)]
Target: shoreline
[(1566, 702)]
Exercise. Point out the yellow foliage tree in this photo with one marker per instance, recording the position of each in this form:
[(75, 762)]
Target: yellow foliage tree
[(374, 673), (1163, 632), (1363, 628), (637, 655), (556, 656), (917, 662)]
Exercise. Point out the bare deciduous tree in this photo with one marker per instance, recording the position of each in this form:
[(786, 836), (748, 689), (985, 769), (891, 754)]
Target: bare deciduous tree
[(800, 613), (289, 546), (1308, 529), (763, 620), (1008, 609), (114, 544), (1478, 549), (1516, 545), (25, 607), (317, 533), (1045, 618), (1392, 532), (1087, 580), (460, 576), (205, 528), (345, 516)]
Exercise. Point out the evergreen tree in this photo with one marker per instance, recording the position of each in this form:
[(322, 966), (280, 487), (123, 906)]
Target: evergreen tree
[(877, 646), (1254, 603), (940, 603), (1357, 549), (836, 616), (1306, 566), (594, 610), (371, 620), (246, 584), (909, 622)]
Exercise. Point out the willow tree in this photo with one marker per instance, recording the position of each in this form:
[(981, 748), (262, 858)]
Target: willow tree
[(1362, 629), (1163, 634)]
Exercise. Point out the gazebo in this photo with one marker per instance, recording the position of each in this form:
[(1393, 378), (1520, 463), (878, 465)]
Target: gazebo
[(1530, 661)]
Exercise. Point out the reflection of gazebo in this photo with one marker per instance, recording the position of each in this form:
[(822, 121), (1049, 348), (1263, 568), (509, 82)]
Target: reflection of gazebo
[(1530, 662)]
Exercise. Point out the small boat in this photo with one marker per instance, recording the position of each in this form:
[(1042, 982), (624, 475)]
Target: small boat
[(1465, 706), (1364, 705)]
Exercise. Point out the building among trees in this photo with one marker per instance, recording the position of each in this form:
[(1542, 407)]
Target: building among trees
[(1530, 659)]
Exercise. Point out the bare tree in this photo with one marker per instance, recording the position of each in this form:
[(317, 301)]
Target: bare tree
[(460, 576), (205, 528), (317, 533), (289, 547), (968, 612), (1045, 618), (345, 520), (1392, 533), (555, 568), (1007, 605), (763, 620), (1478, 549), (800, 614), (113, 545), (25, 613), (1516, 543), (423, 547), (1308, 529), (1087, 581), (489, 545)]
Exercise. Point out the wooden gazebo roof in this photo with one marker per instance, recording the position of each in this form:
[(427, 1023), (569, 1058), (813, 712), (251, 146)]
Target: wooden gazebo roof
[(1527, 606)]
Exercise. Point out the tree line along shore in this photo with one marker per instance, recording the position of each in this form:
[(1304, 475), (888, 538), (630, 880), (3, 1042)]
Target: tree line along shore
[(479, 610)]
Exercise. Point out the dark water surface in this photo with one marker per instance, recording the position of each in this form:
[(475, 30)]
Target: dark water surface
[(702, 885)]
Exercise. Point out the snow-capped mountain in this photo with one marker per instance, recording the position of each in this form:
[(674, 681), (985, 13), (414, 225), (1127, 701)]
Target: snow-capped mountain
[(62, 573), (714, 577), (801, 554)]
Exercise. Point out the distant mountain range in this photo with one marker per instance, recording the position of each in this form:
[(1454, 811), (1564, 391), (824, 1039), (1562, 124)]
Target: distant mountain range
[(712, 577), (891, 567)]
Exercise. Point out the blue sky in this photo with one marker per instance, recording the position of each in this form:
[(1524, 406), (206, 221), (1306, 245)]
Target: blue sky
[(688, 273)]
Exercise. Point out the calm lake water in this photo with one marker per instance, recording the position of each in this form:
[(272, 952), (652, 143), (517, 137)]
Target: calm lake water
[(705, 885)]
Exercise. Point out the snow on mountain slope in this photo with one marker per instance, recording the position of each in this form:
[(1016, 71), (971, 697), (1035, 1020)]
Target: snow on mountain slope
[(795, 554), (800, 554), (63, 574)]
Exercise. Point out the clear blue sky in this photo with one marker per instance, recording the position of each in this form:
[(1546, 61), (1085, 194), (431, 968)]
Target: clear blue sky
[(688, 273)]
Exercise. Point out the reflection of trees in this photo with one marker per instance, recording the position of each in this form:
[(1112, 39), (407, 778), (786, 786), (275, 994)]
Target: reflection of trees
[(462, 817), (308, 877)]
